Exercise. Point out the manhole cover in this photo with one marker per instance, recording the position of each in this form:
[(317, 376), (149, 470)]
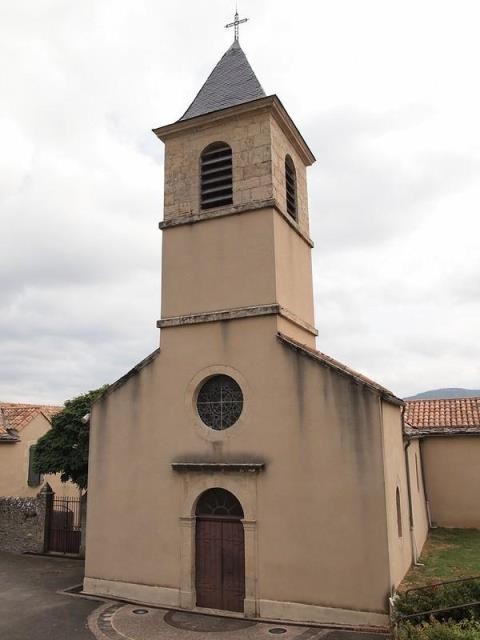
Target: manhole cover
[(204, 624), (140, 612), (277, 631)]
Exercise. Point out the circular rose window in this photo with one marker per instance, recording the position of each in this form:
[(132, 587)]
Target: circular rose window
[(220, 402)]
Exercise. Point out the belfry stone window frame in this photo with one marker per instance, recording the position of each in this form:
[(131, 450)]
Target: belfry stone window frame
[(216, 176), (291, 198)]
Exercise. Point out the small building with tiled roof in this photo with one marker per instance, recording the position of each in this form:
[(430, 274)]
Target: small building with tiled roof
[(16, 416), (21, 425), (448, 433), (443, 416)]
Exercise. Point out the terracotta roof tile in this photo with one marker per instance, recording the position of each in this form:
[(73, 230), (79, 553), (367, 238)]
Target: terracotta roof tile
[(17, 416), (444, 415)]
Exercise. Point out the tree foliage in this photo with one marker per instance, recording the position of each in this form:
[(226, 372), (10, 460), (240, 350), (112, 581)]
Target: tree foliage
[(64, 448)]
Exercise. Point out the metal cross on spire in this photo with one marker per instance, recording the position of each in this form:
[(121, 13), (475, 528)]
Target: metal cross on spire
[(236, 24)]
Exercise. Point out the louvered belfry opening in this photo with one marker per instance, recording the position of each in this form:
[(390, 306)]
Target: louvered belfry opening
[(291, 187), (216, 176)]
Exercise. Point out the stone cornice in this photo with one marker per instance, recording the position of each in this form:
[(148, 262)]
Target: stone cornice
[(289, 128), (218, 467), (189, 218), (234, 314), (211, 214), (216, 316), (443, 432), (294, 224), (288, 315), (206, 120), (270, 103)]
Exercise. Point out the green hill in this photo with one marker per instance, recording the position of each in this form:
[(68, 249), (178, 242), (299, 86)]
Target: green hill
[(453, 392)]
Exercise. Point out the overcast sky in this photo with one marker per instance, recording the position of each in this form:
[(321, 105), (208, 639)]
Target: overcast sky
[(386, 94)]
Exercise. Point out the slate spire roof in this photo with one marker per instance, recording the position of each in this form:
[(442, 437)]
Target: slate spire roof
[(232, 82)]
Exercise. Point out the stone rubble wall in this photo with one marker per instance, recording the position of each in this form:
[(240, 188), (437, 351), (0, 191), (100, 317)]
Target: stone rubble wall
[(22, 524)]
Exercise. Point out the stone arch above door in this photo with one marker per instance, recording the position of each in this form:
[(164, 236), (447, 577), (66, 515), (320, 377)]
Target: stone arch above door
[(241, 484), (219, 502)]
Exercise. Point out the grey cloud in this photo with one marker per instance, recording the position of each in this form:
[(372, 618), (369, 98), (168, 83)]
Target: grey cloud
[(396, 265), (363, 195)]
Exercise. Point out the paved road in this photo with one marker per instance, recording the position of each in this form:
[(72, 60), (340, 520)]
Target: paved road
[(30, 608), (120, 622)]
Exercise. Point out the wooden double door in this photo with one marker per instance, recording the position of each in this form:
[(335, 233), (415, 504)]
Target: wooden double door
[(220, 563)]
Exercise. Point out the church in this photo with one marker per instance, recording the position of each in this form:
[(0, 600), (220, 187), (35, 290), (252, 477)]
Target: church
[(237, 468)]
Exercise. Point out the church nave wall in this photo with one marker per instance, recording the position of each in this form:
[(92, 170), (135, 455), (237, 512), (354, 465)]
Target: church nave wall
[(319, 499)]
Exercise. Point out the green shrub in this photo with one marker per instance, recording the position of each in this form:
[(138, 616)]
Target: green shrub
[(465, 630), (442, 596)]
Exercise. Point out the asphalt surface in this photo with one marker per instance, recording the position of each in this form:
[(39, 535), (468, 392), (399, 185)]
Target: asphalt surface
[(31, 608), (118, 622)]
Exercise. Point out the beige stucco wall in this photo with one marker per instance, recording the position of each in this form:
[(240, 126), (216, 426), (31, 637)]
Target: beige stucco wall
[(318, 508), (241, 261), (417, 492), (400, 547), (219, 264), (293, 268), (452, 477), (14, 464)]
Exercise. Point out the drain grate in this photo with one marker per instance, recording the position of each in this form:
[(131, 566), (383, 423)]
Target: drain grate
[(277, 631)]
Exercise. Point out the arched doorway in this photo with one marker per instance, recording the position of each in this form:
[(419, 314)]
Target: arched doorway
[(219, 551)]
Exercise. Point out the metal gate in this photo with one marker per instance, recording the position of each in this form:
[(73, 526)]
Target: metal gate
[(64, 525)]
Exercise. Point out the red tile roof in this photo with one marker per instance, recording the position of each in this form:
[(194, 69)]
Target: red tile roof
[(14, 416), (444, 416)]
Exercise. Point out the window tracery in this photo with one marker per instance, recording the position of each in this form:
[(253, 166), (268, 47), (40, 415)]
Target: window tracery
[(220, 402), (218, 502)]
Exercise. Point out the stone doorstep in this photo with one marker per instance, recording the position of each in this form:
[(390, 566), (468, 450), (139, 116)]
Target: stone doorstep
[(54, 554)]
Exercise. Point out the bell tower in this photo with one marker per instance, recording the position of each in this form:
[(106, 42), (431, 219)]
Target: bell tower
[(236, 229)]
